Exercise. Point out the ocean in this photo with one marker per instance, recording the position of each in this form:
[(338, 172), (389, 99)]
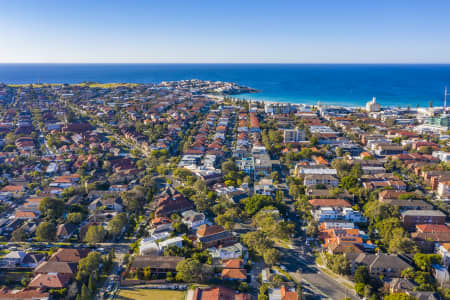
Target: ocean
[(343, 84)]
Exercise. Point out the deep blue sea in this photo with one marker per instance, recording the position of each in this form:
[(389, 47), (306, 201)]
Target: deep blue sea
[(345, 84)]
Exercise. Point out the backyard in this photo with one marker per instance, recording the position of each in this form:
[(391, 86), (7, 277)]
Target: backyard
[(141, 294)]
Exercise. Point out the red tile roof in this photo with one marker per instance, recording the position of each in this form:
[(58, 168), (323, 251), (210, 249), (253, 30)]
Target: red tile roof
[(69, 255), (288, 295), (330, 202), (50, 281), (205, 230), (432, 228), (26, 214), (234, 263), (22, 294), (234, 274), (12, 188), (218, 293)]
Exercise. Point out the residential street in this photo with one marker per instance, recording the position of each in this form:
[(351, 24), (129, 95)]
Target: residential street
[(301, 265)]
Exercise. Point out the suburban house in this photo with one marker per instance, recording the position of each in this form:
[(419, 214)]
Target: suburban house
[(337, 203), (283, 293), (111, 204), (193, 219), (160, 265), (427, 235), (65, 231), (217, 293), (411, 218), (12, 259), (24, 294), (50, 281), (213, 236), (325, 179), (64, 268), (233, 270), (229, 252), (388, 265), (171, 202), (69, 255)]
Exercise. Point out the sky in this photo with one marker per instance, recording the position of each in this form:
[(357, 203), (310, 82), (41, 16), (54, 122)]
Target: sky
[(212, 31)]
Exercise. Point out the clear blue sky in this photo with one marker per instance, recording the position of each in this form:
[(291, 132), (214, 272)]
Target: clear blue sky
[(394, 31)]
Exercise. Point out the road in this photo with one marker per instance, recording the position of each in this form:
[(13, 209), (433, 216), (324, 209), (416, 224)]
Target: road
[(301, 264)]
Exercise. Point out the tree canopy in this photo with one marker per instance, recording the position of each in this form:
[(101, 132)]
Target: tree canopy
[(88, 265), (95, 234), (46, 232), (191, 270)]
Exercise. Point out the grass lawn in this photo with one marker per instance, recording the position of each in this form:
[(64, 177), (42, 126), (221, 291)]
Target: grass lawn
[(319, 260), (141, 294), (283, 243)]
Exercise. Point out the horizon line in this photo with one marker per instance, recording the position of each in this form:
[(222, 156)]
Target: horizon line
[(229, 63)]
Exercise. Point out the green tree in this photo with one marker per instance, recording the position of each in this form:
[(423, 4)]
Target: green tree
[(275, 176), (408, 273), (314, 141), (147, 273), (368, 291), (46, 232), (295, 191), (349, 182), (263, 289), (271, 256), (19, 235), (402, 244), (424, 280), (180, 228), (169, 277), (85, 294), (111, 255), (91, 285), (140, 273), (95, 234), (117, 224), (338, 264), (74, 218), (191, 270), (257, 241), (134, 198), (399, 296), (256, 202), (362, 275), (229, 166), (424, 261), (88, 265), (359, 288), (51, 208), (311, 229)]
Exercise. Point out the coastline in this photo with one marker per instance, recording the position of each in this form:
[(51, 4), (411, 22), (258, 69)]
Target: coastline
[(248, 97), (342, 85)]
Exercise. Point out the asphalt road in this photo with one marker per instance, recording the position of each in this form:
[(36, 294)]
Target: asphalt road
[(300, 263)]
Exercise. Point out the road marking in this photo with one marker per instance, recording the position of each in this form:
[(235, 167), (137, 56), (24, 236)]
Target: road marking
[(315, 289)]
